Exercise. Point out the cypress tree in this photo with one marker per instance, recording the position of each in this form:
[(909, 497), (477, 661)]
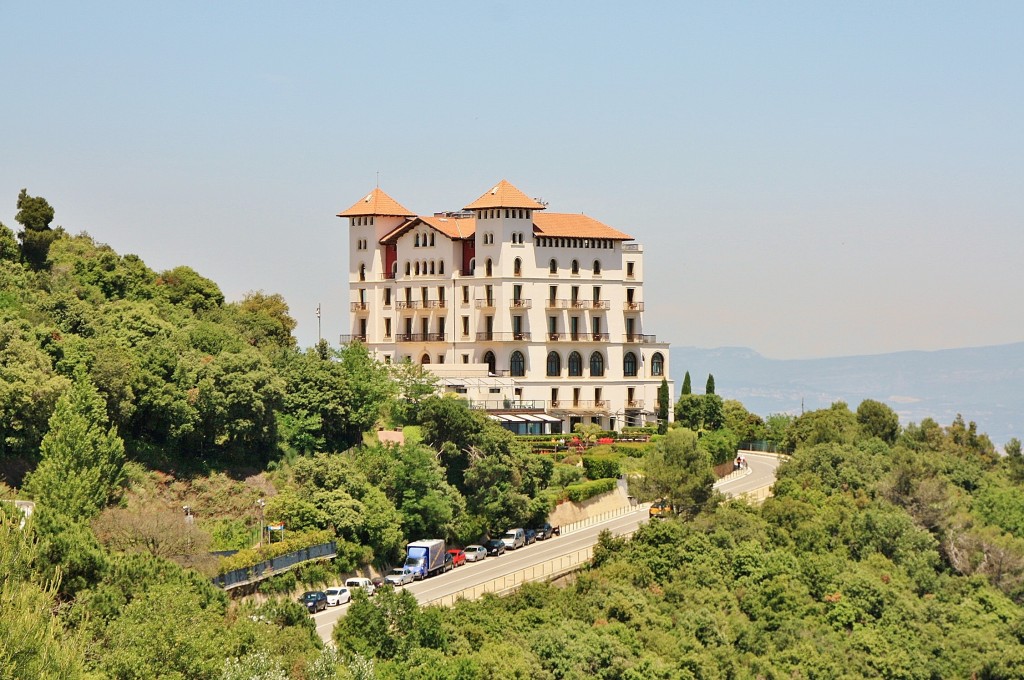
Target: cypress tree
[(710, 387), (663, 406), (686, 384)]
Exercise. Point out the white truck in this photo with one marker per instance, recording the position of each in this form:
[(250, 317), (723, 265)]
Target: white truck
[(425, 558)]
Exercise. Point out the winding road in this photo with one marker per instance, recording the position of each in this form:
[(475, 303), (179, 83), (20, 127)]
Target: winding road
[(760, 473)]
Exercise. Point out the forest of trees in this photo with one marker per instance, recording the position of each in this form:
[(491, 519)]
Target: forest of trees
[(125, 393)]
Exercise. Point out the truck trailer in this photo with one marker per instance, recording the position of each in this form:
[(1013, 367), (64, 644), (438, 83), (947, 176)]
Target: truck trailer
[(425, 558)]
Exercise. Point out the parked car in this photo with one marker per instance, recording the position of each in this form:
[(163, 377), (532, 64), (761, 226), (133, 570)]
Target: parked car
[(359, 582), (475, 553), (315, 601), (495, 547), (400, 576), (449, 562), (661, 508), (546, 531), (514, 538), (458, 557), (531, 536), (338, 595)]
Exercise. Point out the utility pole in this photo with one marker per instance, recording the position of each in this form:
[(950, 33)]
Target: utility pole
[(319, 338), (260, 503)]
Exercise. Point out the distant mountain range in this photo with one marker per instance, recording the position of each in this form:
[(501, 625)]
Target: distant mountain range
[(984, 384)]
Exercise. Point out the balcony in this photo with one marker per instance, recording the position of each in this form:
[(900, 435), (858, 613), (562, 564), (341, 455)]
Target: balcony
[(632, 248), (435, 304), (578, 405), (466, 272), (633, 306), (484, 303), (635, 405), (484, 336), (552, 303), (508, 404), (520, 304), (346, 339), (421, 337), (359, 306), (408, 304), (632, 337), (577, 337), (387, 275)]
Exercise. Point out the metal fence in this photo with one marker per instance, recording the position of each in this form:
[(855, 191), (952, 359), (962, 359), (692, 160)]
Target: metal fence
[(275, 566), (597, 519)]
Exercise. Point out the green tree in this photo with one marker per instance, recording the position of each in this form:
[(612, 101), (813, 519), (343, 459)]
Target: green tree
[(690, 411), (686, 384), (709, 387), (80, 470), (367, 389), (35, 215), (183, 286), (878, 420), (663, 399), (9, 251), (264, 321), (414, 384), (1015, 460), (713, 411), (676, 468)]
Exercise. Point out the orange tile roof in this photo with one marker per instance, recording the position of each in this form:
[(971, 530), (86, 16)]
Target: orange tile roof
[(571, 225), (452, 227), (376, 203), (504, 195)]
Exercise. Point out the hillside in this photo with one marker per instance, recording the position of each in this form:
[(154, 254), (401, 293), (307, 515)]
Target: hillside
[(985, 384)]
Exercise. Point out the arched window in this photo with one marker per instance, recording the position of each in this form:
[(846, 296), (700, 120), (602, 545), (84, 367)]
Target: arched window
[(362, 272), (657, 364), (425, 359), (575, 267), (417, 269), (408, 268), (554, 364), (517, 269), (431, 238), (517, 364), (597, 267), (431, 266), (472, 265), (629, 365), (417, 244), (596, 365), (394, 270), (491, 363), (575, 365), (488, 268), (553, 267), (440, 267)]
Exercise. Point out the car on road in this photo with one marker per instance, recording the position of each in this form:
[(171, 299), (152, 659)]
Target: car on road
[(475, 553), (458, 557), (531, 536), (338, 595), (495, 547), (315, 601), (514, 538), (661, 508), (546, 531), (360, 582), (399, 576), (449, 562)]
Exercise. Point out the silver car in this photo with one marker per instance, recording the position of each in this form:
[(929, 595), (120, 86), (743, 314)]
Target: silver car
[(399, 577), (475, 553)]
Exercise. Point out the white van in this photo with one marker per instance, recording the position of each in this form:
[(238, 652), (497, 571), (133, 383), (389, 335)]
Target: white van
[(359, 582), (514, 538)]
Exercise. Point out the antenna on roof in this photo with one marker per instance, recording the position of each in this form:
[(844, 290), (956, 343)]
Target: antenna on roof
[(378, 179)]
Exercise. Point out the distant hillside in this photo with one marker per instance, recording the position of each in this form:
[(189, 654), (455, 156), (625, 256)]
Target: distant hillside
[(985, 384)]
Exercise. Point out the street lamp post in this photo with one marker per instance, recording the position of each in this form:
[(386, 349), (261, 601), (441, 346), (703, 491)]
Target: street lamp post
[(260, 503)]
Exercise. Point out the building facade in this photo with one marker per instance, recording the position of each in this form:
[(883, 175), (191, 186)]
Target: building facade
[(537, 317)]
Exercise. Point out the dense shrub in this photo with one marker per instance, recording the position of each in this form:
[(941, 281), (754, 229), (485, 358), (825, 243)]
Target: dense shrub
[(577, 493), (601, 467)]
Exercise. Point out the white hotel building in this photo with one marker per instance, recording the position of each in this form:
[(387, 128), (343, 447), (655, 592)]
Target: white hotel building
[(536, 317)]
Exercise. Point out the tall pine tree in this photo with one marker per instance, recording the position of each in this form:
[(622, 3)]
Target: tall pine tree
[(81, 466), (686, 384), (35, 215), (710, 387), (663, 396)]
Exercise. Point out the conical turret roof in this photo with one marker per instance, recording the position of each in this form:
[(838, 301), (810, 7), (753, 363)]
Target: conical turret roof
[(504, 195), (377, 203)]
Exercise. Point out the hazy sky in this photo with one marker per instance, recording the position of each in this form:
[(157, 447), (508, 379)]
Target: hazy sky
[(808, 179)]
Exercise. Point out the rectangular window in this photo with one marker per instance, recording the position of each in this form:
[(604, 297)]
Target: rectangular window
[(597, 295), (465, 295), (517, 326), (465, 358), (440, 358), (387, 297), (597, 325), (629, 270), (408, 294), (629, 294), (387, 328), (553, 325), (494, 390), (517, 293), (552, 294), (440, 295), (387, 358), (424, 296), (465, 327), (575, 294)]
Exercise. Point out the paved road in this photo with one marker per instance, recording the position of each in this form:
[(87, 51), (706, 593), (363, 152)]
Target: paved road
[(476, 573), (762, 473)]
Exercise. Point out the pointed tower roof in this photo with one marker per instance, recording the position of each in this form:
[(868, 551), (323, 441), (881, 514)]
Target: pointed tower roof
[(504, 195), (377, 203)]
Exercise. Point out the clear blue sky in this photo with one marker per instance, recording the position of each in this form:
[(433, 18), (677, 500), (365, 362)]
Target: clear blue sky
[(808, 179)]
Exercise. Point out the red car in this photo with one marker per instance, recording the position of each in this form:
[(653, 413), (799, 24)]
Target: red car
[(458, 557)]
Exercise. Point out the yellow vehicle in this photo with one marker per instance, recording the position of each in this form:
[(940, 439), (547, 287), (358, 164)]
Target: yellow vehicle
[(661, 508)]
